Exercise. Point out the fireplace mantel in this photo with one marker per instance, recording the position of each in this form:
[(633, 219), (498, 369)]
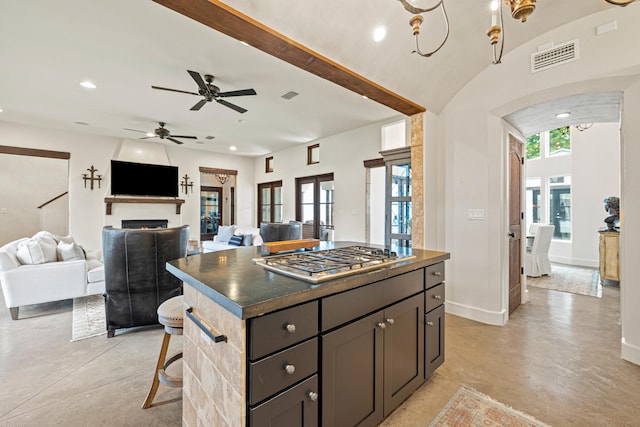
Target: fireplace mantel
[(110, 200)]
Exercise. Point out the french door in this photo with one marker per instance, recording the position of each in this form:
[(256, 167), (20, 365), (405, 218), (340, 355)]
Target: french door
[(210, 211), (314, 204)]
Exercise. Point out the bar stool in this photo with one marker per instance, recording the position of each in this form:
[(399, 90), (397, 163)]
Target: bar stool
[(171, 315)]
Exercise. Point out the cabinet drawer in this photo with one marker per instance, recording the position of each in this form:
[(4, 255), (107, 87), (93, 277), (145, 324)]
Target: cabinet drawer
[(281, 370), (434, 297), (435, 275), (296, 407), (342, 308), (281, 329)]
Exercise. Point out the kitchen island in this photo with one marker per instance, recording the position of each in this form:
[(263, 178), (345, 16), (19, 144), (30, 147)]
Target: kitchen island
[(263, 348)]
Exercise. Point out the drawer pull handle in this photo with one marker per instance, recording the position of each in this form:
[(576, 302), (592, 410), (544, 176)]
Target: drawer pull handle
[(437, 273), (289, 369), (381, 325), (290, 327), (203, 328), (390, 321), (430, 323), (312, 395), (438, 297)]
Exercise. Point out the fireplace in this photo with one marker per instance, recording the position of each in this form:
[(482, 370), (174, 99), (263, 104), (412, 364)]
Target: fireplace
[(145, 223)]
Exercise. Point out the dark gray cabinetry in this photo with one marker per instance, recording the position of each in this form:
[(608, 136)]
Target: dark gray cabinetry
[(370, 366), (434, 319), (283, 362)]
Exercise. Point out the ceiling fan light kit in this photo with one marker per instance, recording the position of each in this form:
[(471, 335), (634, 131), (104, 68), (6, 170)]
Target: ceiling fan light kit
[(163, 133), (211, 92)]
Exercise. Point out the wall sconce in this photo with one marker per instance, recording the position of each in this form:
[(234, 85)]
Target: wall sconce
[(417, 19), (185, 184), (92, 177), (222, 178)]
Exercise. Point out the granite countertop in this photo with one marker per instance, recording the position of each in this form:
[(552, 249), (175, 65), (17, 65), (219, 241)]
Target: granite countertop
[(232, 280)]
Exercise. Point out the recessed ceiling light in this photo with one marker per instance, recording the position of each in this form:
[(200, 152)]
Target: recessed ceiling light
[(244, 43), (233, 148), (379, 34), (0, 110), (150, 134), (563, 115), (365, 96), (87, 84)]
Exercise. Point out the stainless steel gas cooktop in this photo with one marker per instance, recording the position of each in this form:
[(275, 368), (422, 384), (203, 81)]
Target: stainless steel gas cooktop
[(318, 266)]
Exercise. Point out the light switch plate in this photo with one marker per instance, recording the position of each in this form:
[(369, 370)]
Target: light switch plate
[(476, 214)]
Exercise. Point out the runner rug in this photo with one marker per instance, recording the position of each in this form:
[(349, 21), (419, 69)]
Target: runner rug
[(469, 408), (88, 317), (566, 278)]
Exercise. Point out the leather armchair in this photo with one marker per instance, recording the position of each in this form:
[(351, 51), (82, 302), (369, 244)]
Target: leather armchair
[(136, 279)]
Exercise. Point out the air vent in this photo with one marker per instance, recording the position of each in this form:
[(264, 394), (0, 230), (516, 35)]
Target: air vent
[(290, 95), (558, 55)]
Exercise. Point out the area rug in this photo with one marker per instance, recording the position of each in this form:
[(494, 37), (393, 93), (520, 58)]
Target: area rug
[(566, 278), (88, 317), (469, 408)]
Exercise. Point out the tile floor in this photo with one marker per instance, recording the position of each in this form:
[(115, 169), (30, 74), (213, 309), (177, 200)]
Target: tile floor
[(558, 359)]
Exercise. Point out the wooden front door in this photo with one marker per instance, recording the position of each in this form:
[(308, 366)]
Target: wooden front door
[(516, 160)]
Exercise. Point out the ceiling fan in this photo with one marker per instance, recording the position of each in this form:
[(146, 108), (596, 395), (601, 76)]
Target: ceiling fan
[(163, 133), (211, 92)]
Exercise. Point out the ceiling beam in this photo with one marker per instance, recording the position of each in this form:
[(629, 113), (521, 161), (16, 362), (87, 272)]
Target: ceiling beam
[(222, 18)]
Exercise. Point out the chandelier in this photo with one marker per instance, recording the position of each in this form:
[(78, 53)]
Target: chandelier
[(222, 177), (520, 9), (417, 19)]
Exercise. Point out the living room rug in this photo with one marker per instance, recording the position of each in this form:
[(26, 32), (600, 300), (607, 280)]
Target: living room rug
[(566, 278), (88, 317), (470, 408)]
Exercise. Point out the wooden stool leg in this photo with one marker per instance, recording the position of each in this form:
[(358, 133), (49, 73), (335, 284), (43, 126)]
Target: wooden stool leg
[(154, 386)]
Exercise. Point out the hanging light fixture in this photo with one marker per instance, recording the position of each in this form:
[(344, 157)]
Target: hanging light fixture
[(417, 20), (222, 178), (520, 9), (583, 126)]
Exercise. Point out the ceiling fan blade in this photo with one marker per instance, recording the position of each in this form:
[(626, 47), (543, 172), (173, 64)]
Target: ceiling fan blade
[(183, 136), (198, 78), (238, 93), (174, 90), (199, 105), (174, 140), (134, 130), (232, 106), (147, 137)]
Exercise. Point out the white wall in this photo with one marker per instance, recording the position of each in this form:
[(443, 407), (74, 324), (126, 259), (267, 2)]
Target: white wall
[(594, 167), (87, 208), (474, 141), (342, 154), (376, 205)]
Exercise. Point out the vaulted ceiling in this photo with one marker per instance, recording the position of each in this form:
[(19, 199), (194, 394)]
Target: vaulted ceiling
[(126, 46)]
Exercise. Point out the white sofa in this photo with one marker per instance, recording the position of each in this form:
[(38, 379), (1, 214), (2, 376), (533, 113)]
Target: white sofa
[(250, 237), (47, 268)]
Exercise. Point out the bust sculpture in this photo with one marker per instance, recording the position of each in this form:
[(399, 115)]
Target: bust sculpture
[(612, 207)]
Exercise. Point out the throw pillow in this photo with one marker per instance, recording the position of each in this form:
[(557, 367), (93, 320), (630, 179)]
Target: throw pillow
[(247, 240), (235, 240), (38, 251), (70, 251), (225, 232), (8, 261)]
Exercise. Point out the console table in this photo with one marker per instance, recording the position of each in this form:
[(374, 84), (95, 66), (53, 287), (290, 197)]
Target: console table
[(609, 246)]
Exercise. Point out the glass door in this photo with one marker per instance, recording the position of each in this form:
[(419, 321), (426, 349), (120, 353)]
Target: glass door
[(314, 205), (210, 211)]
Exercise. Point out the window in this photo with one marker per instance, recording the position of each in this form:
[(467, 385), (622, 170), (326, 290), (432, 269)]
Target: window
[(559, 141), (560, 206), (268, 164), (313, 154), (270, 202), (533, 201), (210, 211), (533, 147), (314, 205)]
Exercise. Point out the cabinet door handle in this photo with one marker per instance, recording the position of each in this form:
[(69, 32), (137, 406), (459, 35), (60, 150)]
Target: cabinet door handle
[(437, 273), (289, 369), (203, 328), (312, 395), (390, 321), (438, 297), (430, 323), (381, 325), (290, 327)]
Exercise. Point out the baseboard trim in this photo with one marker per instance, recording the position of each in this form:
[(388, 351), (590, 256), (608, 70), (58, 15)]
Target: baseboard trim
[(496, 318), (630, 353)]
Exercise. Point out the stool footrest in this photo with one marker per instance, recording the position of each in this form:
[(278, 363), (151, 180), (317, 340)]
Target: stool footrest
[(167, 379)]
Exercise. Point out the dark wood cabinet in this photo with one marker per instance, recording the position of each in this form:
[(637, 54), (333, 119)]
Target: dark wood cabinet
[(433, 340), (296, 407), (370, 366)]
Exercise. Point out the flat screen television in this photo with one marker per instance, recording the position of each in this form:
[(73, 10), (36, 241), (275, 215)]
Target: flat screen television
[(142, 179)]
